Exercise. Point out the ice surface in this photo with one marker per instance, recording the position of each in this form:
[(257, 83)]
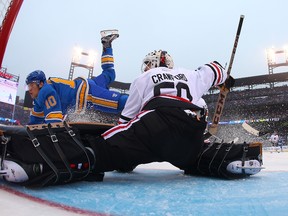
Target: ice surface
[(160, 189)]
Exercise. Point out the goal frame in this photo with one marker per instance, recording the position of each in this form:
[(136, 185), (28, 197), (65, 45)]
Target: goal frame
[(7, 25)]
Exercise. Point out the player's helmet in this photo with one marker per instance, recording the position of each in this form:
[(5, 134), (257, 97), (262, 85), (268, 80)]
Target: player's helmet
[(36, 76), (157, 59)]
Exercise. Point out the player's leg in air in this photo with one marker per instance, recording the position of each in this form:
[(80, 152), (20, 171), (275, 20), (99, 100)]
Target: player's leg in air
[(99, 94), (107, 61)]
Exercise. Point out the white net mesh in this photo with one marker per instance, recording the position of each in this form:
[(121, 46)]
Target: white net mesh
[(4, 8)]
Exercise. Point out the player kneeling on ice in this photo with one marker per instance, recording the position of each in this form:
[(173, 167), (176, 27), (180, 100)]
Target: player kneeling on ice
[(163, 120)]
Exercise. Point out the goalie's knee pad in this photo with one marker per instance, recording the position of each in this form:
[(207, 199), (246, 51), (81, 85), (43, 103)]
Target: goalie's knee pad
[(228, 160)]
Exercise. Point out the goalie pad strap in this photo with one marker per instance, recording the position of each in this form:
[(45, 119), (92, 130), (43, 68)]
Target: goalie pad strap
[(245, 150), (43, 155), (216, 152), (4, 141), (60, 152), (66, 158), (224, 157), (79, 144)]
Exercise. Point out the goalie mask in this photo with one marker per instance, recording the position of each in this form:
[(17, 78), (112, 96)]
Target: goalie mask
[(157, 59)]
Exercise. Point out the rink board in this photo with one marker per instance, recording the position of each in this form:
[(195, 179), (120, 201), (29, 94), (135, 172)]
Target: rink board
[(168, 192)]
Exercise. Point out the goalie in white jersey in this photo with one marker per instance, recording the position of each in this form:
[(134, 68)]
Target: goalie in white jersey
[(164, 120), (162, 81)]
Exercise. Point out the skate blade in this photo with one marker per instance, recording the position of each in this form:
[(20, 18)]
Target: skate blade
[(105, 33), (251, 168), (3, 172)]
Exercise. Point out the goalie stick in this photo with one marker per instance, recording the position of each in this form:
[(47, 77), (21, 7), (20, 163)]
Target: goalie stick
[(250, 129), (255, 132), (223, 90)]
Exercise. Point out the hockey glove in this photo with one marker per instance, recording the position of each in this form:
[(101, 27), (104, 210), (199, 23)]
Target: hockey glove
[(229, 83)]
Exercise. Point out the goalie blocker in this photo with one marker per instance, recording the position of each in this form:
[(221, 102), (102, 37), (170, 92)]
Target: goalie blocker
[(59, 154)]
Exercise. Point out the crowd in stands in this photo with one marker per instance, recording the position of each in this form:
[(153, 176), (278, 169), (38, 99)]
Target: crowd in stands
[(252, 104), (265, 109), (10, 115)]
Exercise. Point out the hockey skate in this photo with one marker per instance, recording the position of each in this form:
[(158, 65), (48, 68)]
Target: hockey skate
[(249, 167), (18, 172), (107, 36), (228, 160)]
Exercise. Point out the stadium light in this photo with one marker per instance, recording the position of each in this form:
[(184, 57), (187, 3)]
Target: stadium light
[(82, 59), (271, 56), (276, 58), (77, 54), (91, 58)]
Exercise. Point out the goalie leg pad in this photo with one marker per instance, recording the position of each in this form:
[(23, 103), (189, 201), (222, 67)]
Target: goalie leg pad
[(228, 160), (59, 149)]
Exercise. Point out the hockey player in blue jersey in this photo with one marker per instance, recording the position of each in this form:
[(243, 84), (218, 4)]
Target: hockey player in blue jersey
[(52, 98)]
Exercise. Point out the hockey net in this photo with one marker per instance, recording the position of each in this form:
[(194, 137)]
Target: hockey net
[(8, 12)]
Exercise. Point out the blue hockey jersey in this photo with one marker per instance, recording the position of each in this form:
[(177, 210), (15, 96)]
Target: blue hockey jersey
[(56, 97)]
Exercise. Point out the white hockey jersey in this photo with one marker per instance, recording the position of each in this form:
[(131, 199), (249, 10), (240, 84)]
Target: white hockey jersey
[(179, 84), (274, 138)]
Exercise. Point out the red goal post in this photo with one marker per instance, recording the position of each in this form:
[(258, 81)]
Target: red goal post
[(8, 12)]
